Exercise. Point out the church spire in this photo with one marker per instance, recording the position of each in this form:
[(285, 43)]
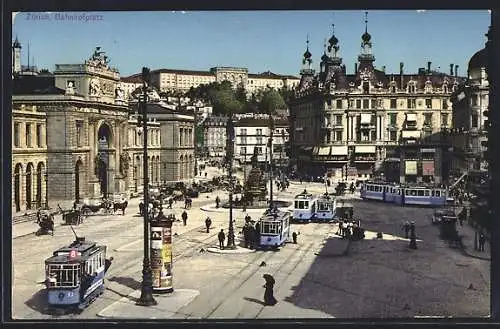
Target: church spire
[(366, 45), (307, 60)]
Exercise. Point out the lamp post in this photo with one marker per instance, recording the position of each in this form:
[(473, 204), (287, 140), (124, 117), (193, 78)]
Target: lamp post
[(135, 178), (46, 189), (270, 144), (229, 156), (146, 298)]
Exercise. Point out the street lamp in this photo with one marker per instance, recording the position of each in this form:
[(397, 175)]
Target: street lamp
[(229, 156), (46, 189), (146, 298), (270, 144)]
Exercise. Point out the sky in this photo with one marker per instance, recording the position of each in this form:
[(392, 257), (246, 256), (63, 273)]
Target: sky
[(257, 40)]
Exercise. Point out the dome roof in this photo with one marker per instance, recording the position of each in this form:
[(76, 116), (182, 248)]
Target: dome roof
[(478, 60), (366, 37), (324, 58), (16, 43)]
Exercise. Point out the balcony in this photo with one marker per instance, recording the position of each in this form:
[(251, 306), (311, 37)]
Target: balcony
[(365, 126), (338, 126)]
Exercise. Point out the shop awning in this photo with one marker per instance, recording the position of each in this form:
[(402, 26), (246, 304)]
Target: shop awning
[(411, 117), (366, 118), (365, 149), (324, 150), (339, 150), (411, 134)]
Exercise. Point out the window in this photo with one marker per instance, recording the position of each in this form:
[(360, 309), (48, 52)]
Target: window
[(259, 132), (474, 120), (358, 103), (338, 120), (445, 104), (329, 102), (428, 103), (17, 139), (445, 88), (339, 103), (259, 140), (243, 131), (444, 119), (366, 103), (243, 139), (28, 135), (79, 129), (393, 89), (411, 88), (243, 150), (351, 103), (393, 103), (393, 135), (411, 103), (427, 119), (259, 150), (39, 135), (392, 119), (474, 100), (366, 88), (338, 136)]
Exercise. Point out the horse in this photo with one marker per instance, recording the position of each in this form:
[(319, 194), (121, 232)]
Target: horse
[(120, 206)]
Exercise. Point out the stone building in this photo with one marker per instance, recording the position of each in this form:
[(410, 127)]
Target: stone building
[(71, 136), (351, 123), (169, 80), (176, 149), (470, 102), (214, 137)]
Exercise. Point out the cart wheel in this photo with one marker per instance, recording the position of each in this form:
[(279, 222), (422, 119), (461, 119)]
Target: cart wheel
[(86, 212)]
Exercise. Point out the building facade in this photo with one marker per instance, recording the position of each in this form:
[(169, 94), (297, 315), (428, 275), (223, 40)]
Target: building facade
[(470, 102), (169, 80), (73, 138), (352, 122), (214, 137)]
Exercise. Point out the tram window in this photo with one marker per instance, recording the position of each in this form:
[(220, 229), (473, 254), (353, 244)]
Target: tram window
[(413, 193), (426, 192), (438, 193), (420, 193), (407, 192), (399, 191), (433, 193), (296, 204), (306, 204)]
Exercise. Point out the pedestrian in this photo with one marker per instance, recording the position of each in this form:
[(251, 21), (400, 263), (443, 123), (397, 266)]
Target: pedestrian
[(406, 228), (221, 237), (206, 174), (300, 179), (184, 217), (248, 218), (269, 299), (141, 208), (482, 240), (208, 223), (246, 240), (170, 201), (294, 237), (217, 201)]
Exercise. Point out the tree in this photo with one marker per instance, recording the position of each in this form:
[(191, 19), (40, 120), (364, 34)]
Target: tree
[(271, 102)]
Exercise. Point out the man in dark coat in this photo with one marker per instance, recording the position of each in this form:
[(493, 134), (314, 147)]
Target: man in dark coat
[(294, 237), (217, 201), (221, 237), (482, 241), (208, 223), (406, 228), (184, 217)]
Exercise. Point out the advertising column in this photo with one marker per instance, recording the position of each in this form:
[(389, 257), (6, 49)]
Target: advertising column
[(161, 253)]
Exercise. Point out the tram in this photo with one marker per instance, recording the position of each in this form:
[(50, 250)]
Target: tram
[(304, 207), (273, 229), (75, 275), (404, 194), (325, 208)]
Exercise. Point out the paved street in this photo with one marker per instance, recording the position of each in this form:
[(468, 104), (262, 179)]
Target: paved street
[(322, 276)]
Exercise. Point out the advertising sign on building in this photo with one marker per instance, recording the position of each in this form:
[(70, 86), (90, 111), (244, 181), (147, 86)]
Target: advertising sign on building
[(410, 167), (428, 168)]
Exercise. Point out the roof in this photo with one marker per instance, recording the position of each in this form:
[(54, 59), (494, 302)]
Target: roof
[(260, 122), (184, 72), (35, 85), (132, 79), (478, 60)]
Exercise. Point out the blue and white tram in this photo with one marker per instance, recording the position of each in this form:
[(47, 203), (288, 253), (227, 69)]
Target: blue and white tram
[(426, 196), (380, 191), (75, 275), (274, 229), (304, 207), (325, 208)]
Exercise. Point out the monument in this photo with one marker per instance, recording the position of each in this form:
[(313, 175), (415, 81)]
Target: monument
[(255, 187)]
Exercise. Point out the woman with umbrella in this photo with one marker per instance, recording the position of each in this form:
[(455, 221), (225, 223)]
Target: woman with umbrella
[(269, 293)]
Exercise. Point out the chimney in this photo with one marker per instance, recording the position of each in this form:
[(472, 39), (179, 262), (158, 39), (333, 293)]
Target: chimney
[(456, 70), (451, 69), (429, 67), (401, 65), (355, 68)]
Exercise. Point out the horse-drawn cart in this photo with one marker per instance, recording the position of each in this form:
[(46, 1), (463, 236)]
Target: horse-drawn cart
[(71, 216)]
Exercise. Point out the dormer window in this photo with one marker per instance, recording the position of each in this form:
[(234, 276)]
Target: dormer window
[(366, 87), (445, 88), (411, 87), (455, 87), (392, 89), (428, 87)]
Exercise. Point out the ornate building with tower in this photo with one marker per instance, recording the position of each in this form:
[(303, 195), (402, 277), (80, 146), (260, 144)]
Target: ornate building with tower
[(74, 137), (352, 123)]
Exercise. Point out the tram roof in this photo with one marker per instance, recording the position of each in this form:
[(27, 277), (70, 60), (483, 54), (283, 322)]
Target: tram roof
[(63, 259), (304, 196)]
